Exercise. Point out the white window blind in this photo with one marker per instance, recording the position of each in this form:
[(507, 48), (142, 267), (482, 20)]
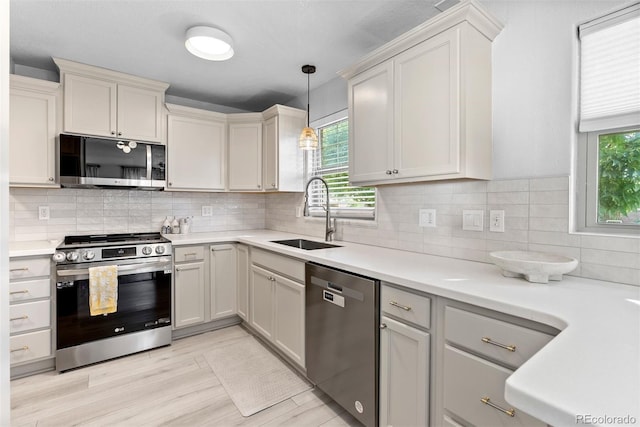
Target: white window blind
[(610, 71), (331, 162)]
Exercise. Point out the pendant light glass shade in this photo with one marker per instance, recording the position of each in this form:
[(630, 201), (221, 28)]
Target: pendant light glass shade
[(308, 139)]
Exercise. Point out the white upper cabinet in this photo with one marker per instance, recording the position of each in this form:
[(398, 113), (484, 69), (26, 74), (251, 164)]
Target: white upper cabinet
[(420, 106), (245, 151), (32, 131), (283, 168), (107, 103), (196, 149)]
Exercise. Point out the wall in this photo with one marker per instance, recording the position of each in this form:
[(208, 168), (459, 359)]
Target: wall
[(90, 211), (536, 218), (534, 115)]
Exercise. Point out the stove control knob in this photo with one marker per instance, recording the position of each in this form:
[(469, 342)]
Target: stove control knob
[(72, 256), (147, 250), (159, 250), (59, 257), (89, 255)]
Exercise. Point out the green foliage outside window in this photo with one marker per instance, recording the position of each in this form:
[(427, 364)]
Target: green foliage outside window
[(619, 178)]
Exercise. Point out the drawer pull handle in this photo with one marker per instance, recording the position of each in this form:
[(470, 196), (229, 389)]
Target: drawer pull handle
[(19, 269), (24, 348), (488, 340), (511, 412), (404, 307), (24, 291), (13, 319), (190, 254)]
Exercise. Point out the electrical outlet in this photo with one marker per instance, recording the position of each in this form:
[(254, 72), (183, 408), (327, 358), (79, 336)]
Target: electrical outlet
[(299, 211), (43, 212), (496, 221), (427, 218), (473, 220), (207, 211)]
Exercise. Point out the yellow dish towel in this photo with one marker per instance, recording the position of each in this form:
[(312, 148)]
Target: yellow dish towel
[(103, 290)]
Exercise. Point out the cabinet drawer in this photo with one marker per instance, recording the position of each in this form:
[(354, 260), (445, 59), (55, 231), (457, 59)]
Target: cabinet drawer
[(23, 268), (284, 265), (30, 346), (29, 289), (189, 253), (489, 337), (30, 315), (406, 305), (469, 380)]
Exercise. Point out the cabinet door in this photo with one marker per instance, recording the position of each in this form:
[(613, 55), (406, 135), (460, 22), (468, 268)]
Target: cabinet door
[(195, 154), (371, 124), (245, 156), (427, 107), (222, 276), (139, 113), (261, 301), (32, 137), (89, 106), (189, 294), (242, 252), (289, 306), (404, 375), (270, 162)]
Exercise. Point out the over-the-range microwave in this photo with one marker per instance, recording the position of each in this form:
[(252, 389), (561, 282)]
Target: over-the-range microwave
[(86, 161)]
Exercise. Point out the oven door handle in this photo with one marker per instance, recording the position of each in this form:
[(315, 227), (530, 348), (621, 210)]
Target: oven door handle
[(128, 268)]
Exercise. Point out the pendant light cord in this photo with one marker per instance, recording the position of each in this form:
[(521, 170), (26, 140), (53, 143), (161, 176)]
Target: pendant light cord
[(308, 102)]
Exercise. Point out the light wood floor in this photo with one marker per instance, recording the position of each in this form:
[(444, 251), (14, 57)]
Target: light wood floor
[(169, 386)]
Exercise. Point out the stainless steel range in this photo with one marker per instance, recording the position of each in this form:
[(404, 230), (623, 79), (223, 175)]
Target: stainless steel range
[(142, 319)]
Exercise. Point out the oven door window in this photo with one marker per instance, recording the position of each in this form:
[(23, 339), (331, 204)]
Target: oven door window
[(144, 302)]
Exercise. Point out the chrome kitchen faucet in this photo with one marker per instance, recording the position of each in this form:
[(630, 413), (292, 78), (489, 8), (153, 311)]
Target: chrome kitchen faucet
[(328, 232)]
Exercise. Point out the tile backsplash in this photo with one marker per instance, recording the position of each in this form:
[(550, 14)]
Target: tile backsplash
[(90, 211), (536, 218)]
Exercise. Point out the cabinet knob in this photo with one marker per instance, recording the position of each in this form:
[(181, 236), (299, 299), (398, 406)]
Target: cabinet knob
[(51, 179), (273, 185), (388, 172), (259, 186), (119, 133), (113, 132), (170, 184), (383, 326), (395, 171)]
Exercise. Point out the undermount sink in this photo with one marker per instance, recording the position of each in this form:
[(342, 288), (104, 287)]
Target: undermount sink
[(307, 245)]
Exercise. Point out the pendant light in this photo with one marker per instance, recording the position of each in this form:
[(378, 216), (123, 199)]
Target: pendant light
[(308, 138)]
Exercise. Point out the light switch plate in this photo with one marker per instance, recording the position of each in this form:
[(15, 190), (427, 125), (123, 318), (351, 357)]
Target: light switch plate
[(496, 221), (207, 211), (43, 212), (473, 220), (427, 218)]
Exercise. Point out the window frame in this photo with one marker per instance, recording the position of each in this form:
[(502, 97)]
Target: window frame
[(587, 150), (361, 215)]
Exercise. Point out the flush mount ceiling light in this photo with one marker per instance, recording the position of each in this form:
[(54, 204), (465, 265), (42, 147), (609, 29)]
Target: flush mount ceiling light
[(308, 138), (209, 43)]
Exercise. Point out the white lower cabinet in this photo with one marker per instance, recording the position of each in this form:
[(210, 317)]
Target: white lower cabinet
[(222, 281), (481, 349), (189, 294), (277, 302), (404, 374)]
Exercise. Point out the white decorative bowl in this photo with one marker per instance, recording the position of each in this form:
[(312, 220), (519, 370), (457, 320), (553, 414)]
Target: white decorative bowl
[(537, 267)]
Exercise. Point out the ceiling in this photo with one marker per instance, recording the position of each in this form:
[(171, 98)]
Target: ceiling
[(272, 40)]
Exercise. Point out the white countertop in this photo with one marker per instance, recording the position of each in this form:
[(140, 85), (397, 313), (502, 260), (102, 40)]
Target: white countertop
[(591, 368), (32, 248)]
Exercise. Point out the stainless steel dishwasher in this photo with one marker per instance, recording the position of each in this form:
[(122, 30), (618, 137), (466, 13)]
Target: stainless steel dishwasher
[(342, 341)]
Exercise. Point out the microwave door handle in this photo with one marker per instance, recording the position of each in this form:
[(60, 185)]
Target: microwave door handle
[(129, 269), (149, 162)]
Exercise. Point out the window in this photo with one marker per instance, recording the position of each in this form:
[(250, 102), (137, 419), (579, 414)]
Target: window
[(331, 162), (609, 148)]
